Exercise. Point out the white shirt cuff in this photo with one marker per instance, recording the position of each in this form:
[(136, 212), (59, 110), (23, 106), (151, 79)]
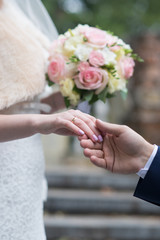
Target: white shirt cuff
[(143, 171)]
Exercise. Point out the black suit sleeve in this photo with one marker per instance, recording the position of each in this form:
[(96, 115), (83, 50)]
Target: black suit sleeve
[(148, 188)]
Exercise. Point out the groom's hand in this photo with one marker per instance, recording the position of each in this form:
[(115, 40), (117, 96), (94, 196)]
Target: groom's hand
[(122, 151)]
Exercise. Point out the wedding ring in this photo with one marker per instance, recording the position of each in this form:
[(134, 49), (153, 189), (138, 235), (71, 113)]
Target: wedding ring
[(73, 119)]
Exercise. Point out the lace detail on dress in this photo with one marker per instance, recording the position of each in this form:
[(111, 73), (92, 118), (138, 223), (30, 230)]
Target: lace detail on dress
[(22, 184), (21, 192)]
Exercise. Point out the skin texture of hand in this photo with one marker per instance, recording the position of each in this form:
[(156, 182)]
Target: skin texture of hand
[(62, 124), (122, 151), (21, 126)]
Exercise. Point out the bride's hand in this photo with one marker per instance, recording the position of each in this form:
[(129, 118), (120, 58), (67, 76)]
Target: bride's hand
[(71, 122)]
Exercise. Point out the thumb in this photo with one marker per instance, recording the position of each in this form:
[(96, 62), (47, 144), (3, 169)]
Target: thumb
[(109, 128)]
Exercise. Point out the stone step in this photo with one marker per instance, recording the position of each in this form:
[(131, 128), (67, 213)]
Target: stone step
[(97, 202), (102, 228), (88, 178)]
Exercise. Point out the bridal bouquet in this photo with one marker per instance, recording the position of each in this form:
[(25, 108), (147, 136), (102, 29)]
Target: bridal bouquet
[(90, 64)]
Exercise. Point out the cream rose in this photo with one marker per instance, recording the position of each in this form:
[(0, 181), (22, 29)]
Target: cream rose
[(66, 87), (115, 84)]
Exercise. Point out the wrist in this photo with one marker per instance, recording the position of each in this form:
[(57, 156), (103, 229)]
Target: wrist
[(146, 153), (45, 124), (39, 123)]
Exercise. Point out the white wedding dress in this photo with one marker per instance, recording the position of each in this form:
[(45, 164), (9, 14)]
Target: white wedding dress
[(22, 182), (22, 186)]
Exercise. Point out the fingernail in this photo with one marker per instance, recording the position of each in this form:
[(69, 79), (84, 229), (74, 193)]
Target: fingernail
[(95, 137), (100, 138), (81, 132)]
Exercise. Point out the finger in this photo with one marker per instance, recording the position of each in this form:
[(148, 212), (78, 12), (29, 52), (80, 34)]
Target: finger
[(64, 132), (77, 131), (99, 162), (82, 137), (91, 152), (78, 112), (85, 128), (87, 143), (109, 128), (92, 118), (90, 121), (89, 128)]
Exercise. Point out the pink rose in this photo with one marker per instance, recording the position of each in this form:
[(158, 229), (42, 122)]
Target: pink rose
[(91, 78), (56, 68), (96, 59), (127, 66), (82, 66), (95, 36)]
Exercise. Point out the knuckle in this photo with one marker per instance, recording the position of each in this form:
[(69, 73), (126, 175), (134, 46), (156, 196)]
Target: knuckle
[(86, 152), (70, 111), (88, 122), (77, 112), (79, 122), (82, 144), (58, 119), (93, 160), (125, 127), (92, 118), (66, 124)]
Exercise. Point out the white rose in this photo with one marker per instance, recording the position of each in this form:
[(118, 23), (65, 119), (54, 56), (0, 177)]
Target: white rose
[(83, 52), (116, 84), (71, 70), (121, 42), (109, 56), (80, 28), (70, 44)]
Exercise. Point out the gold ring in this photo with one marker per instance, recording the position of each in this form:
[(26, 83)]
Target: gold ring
[(73, 119)]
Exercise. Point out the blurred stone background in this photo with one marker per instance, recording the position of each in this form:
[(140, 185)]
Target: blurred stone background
[(85, 202)]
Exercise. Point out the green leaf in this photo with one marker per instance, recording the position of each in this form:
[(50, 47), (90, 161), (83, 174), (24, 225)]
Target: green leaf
[(103, 95), (110, 95), (94, 99), (77, 89), (70, 31), (67, 102), (136, 57), (74, 59), (50, 83), (85, 39), (97, 26), (127, 51), (88, 95), (109, 32), (108, 67), (114, 44)]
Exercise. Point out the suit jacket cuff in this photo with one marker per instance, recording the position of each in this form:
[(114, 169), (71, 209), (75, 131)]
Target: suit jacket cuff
[(148, 188)]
